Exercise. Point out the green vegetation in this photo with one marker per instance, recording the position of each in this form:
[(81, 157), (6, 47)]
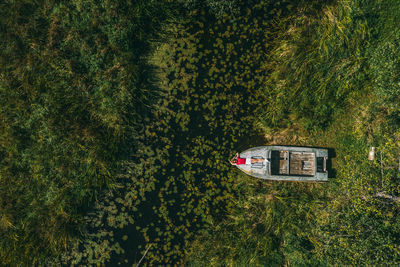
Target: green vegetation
[(73, 96), (118, 118), (336, 88)]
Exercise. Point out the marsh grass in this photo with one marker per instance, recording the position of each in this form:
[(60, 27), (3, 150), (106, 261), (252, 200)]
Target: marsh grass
[(314, 65)]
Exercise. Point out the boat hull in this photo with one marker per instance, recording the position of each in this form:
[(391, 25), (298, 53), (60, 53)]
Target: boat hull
[(287, 163)]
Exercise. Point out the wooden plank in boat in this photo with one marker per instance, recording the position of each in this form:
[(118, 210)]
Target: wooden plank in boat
[(302, 163)]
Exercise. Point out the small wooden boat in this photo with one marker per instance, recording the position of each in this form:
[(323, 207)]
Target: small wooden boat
[(286, 163)]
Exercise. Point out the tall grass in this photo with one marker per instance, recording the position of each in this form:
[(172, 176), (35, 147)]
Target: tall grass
[(315, 63)]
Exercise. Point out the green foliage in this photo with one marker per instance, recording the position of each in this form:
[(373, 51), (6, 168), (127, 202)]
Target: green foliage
[(117, 120), (197, 124), (72, 97), (186, 144), (384, 55), (218, 8), (359, 225), (316, 60), (317, 67), (266, 227)]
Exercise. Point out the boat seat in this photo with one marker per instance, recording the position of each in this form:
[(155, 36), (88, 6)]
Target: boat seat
[(258, 165)]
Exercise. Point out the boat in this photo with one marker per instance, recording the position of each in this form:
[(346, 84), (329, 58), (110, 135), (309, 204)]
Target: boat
[(286, 163)]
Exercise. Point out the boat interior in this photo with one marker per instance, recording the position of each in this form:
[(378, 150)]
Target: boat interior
[(292, 163)]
